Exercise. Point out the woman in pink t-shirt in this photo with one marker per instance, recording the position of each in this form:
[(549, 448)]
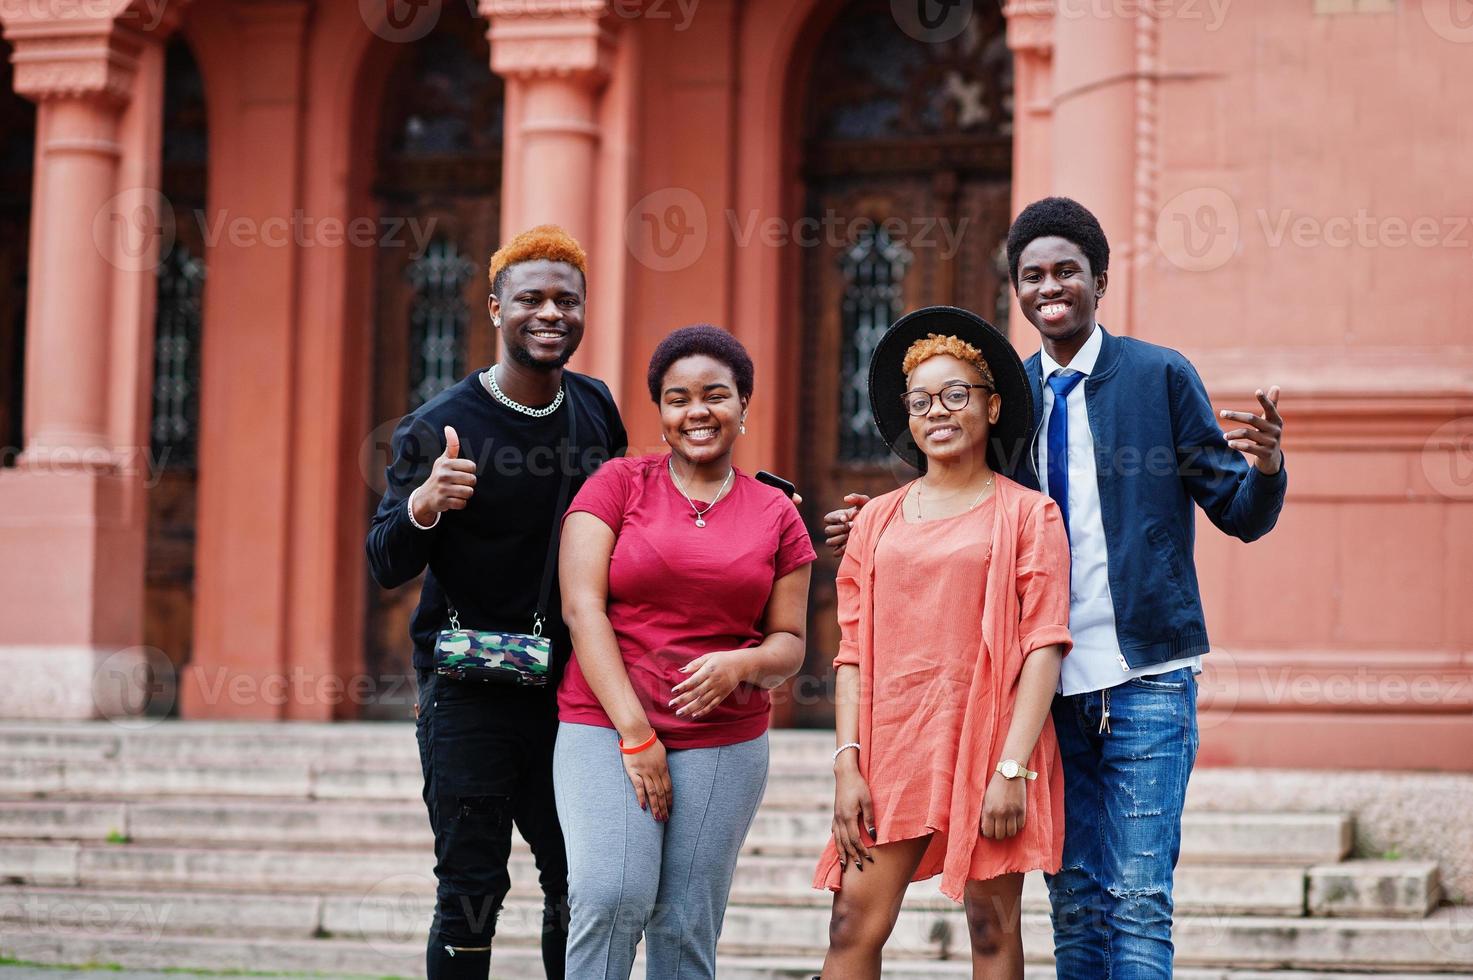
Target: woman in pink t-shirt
[(685, 587)]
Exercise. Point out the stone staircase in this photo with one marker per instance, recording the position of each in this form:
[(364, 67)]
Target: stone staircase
[(305, 848)]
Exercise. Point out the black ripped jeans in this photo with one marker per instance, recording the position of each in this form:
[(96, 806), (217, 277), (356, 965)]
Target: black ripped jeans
[(486, 752)]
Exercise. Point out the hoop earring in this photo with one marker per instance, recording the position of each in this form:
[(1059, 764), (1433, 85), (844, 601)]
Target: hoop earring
[(663, 439)]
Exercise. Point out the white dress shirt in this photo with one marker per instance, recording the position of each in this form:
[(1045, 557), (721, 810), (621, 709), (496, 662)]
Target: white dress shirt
[(1095, 662)]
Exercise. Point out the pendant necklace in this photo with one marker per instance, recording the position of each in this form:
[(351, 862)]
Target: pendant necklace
[(700, 513), (975, 502)]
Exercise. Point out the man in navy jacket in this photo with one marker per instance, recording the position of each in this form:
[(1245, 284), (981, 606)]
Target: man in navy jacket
[(1127, 442)]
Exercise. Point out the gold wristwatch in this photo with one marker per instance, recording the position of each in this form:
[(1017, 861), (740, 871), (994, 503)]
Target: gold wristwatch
[(1012, 769)]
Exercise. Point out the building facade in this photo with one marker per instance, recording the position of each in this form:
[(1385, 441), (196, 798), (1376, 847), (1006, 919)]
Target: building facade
[(242, 237)]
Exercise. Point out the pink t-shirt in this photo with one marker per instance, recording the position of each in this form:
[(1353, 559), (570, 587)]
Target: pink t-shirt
[(678, 591)]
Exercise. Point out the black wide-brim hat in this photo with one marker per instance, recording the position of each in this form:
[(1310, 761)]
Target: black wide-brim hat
[(1008, 441)]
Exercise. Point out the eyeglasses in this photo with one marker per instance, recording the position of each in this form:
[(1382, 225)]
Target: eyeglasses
[(953, 397)]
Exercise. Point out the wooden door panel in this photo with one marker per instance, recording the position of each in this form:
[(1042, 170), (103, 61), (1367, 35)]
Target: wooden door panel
[(949, 229), (911, 135), (467, 228)]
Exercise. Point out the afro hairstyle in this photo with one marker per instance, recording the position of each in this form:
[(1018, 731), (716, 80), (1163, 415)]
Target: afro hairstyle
[(701, 338), (542, 242), (1060, 217)]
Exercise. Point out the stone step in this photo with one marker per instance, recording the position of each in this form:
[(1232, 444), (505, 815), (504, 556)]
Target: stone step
[(329, 776), (1273, 890), (1219, 838), (1374, 889), (339, 958), (230, 744), (384, 914)]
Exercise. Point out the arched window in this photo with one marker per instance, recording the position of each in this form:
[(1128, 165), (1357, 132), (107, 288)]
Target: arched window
[(906, 165), (874, 268), (176, 344), (437, 179), (17, 153), (179, 313), (438, 318)]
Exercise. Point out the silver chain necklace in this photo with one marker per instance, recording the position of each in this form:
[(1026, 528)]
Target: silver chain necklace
[(699, 513), (974, 503), (489, 377)]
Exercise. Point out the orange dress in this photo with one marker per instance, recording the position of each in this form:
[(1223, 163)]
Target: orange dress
[(939, 616)]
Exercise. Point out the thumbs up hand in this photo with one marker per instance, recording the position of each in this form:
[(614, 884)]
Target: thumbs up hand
[(451, 483)]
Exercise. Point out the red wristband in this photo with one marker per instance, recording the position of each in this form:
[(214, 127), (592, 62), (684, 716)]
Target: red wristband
[(641, 746)]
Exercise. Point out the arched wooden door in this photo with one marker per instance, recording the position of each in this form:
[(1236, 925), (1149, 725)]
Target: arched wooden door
[(17, 153), (173, 473), (439, 182), (907, 163)]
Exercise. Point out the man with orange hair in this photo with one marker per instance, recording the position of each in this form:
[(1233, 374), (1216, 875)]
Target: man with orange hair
[(480, 477)]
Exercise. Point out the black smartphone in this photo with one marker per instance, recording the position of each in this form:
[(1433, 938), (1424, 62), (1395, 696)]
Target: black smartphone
[(773, 480)]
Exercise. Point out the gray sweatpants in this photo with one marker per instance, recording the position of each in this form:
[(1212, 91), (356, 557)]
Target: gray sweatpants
[(629, 875)]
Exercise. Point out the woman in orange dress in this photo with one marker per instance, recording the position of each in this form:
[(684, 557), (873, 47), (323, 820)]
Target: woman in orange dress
[(953, 610)]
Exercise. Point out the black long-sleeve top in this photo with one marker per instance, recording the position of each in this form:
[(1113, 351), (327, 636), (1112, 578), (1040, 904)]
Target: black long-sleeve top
[(488, 558)]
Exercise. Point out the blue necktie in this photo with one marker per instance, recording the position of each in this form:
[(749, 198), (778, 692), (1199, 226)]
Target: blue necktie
[(1058, 440)]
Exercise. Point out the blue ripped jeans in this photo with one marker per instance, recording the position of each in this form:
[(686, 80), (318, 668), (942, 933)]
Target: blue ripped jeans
[(1124, 787)]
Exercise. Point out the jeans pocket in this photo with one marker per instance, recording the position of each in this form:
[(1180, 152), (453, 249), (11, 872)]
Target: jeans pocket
[(1173, 680)]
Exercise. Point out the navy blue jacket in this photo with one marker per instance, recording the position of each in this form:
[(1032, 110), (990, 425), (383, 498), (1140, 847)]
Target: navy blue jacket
[(1158, 448)]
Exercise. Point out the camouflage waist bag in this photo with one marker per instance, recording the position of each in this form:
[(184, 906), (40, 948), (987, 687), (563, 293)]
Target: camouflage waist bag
[(500, 658), (511, 658)]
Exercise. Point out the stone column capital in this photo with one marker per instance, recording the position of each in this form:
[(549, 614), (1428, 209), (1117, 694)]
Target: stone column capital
[(566, 39), (82, 49), (1031, 26)]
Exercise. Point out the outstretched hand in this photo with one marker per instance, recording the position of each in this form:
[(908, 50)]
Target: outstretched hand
[(1260, 438)]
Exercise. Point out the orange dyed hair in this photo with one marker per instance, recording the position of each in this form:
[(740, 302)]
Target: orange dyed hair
[(543, 242), (934, 344)]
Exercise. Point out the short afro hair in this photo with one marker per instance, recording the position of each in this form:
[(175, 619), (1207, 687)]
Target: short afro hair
[(701, 338), (933, 344), (1060, 217), (543, 242)]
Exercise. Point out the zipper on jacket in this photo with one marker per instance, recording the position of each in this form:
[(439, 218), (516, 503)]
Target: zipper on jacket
[(1033, 451)]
